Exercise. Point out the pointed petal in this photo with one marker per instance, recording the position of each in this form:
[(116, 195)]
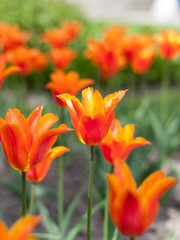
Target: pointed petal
[(22, 228), (44, 123), (44, 143), (34, 118), (14, 145), (84, 83), (10, 70), (122, 171), (107, 152), (39, 172), (15, 116), (93, 130), (3, 231)]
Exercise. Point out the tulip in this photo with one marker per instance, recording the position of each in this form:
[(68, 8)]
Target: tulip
[(26, 142), (66, 83), (27, 59), (60, 37), (168, 43), (93, 117), (133, 209), (6, 72), (62, 57), (119, 142), (21, 229), (11, 36)]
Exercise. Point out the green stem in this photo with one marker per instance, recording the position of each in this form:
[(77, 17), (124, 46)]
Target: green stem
[(90, 192), (164, 85), (106, 216), (23, 194), (132, 238), (33, 189), (61, 179)]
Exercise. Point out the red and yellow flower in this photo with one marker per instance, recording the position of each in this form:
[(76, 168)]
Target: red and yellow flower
[(93, 117), (62, 57), (119, 142), (60, 37), (27, 59), (8, 71), (26, 142), (11, 36), (133, 209), (21, 229), (66, 83), (168, 43), (39, 172)]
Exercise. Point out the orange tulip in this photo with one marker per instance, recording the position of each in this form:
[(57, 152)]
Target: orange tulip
[(62, 57), (11, 36), (39, 172), (26, 142), (60, 37), (119, 142), (21, 229), (27, 59), (168, 43), (66, 83), (6, 72), (133, 209), (92, 118), (139, 51), (110, 60)]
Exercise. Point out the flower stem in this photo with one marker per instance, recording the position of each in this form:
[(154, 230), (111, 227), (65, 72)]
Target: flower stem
[(23, 193), (61, 178), (33, 189), (164, 85), (106, 216), (132, 238), (90, 192)]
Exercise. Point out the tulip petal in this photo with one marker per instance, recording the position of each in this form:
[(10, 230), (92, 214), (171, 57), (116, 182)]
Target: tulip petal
[(93, 130), (44, 143), (3, 231), (122, 171), (34, 118), (39, 172), (107, 152), (22, 228), (84, 83), (15, 116), (14, 145), (44, 123)]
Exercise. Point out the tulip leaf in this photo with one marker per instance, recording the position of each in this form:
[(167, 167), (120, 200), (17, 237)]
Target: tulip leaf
[(47, 236), (172, 236), (70, 211), (116, 235), (49, 225), (75, 230)]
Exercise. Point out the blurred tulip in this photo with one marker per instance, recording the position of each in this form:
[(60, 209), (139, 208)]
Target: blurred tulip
[(119, 142), (62, 57), (8, 71), (21, 229), (11, 36), (133, 209), (66, 83), (27, 59), (109, 59), (139, 52), (26, 142), (60, 37), (93, 117), (39, 172), (168, 43)]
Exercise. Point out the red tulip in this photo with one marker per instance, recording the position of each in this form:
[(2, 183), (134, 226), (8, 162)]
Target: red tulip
[(133, 209), (119, 142), (93, 117), (26, 142)]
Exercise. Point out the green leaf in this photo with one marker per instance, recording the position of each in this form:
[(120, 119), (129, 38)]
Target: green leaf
[(75, 230), (49, 225), (70, 211), (47, 236), (115, 234), (173, 235)]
